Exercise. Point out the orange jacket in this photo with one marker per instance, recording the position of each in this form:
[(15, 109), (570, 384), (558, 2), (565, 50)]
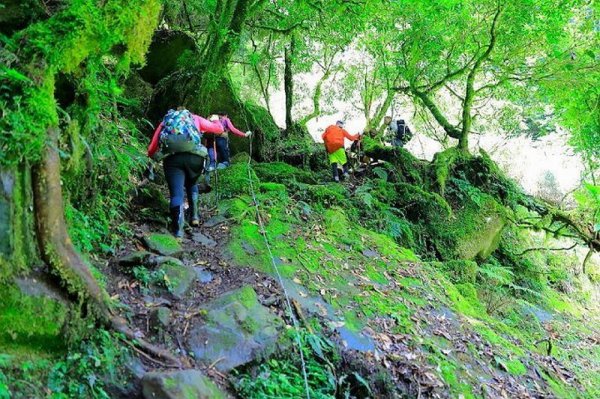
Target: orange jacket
[(334, 138)]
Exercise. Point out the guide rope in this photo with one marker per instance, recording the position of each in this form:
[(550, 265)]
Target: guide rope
[(285, 293)]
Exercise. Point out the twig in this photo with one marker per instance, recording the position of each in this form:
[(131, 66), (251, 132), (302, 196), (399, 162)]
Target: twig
[(546, 249), (144, 354)]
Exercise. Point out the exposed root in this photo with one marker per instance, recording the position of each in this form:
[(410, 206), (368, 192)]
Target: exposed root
[(58, 252)]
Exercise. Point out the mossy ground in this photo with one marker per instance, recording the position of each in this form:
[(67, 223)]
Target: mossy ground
[(367, 276)]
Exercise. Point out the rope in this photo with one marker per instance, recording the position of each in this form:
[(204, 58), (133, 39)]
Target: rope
[(287, 297)]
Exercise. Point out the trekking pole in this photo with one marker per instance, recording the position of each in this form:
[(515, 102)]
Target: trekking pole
[(216, 170)]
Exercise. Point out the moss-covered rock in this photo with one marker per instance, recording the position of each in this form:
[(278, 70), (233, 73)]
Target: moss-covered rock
[(163, 244), (178, 278), (280, 172), (236, 330), (164, 53), (180, 384), (235, 180), (409, 169), (473, 232), (32, 316)]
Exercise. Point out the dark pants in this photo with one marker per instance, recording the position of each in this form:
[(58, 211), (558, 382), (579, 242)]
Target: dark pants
[(182, 172), (334, 169), (222, 144)]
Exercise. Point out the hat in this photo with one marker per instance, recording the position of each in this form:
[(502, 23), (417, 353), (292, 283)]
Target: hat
[(213, 117), (341, 123)]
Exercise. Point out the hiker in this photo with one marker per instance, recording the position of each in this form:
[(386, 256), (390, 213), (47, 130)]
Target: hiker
[(398, 130), (220, 142), (177, 142), (333, 137)]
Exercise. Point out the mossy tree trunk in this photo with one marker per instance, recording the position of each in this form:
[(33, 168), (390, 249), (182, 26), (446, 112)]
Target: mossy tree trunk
[(73, 41)]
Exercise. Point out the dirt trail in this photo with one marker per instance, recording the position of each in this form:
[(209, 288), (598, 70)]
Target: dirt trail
[(216, 276)]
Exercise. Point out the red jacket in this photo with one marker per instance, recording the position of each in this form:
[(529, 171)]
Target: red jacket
[(204, 125), (334, 138)]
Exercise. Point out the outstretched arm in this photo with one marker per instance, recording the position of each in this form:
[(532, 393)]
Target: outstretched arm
[(227, 123), (349, 136), (153, 147), (206, 126)]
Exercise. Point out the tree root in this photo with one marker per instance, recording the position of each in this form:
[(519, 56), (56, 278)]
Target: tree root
[(58, 251)]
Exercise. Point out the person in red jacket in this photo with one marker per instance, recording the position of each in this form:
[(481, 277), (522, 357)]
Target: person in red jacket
[(182, 171), (333, 137)]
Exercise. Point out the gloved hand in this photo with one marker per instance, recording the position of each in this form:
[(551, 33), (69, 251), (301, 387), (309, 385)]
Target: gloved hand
[(248, 133)]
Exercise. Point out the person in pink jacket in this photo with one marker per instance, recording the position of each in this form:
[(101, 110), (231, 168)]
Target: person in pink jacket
[(182, 171), (218, 145)]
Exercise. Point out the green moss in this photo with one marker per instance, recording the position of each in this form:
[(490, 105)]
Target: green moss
[(475, 231), (442, 165), (33, 322), (460, 271), (454, 379), (235, 180), (164, 244), (280, 172)]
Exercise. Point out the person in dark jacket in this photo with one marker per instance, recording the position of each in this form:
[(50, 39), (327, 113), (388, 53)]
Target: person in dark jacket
[(184, 166)]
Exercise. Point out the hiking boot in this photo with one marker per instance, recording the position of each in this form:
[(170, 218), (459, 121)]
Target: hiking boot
[(211, 167), (336, 179), (177, 221), (346, 175), (194, 214), (222, 165)]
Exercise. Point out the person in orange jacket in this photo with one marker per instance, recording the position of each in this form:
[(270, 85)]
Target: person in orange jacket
[(333, 137)]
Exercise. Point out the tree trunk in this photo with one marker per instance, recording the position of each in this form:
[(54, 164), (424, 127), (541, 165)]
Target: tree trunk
[(58, 252), (288, 83)]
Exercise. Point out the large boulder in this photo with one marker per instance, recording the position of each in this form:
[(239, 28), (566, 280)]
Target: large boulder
[(182, 384), (164, 53), (236, 330), (473, 232)]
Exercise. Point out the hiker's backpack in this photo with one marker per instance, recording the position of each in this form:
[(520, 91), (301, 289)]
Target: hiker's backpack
[(403, 133), (180, 134)]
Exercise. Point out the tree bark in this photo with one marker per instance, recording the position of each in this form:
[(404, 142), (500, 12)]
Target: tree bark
[(288, 82), (57, 250)]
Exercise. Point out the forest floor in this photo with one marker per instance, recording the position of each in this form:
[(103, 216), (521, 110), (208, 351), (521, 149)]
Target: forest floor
[(423, 345)]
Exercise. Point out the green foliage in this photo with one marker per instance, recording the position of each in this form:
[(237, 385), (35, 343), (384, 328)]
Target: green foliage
[(150, 278), (87, 371), (282, 377)]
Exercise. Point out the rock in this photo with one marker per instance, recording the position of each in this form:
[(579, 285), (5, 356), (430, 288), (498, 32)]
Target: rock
[(204, 275), (236, 330), (163, 54), (180, 278), (215, 221), (204, 240), (356, 340), (369, 253), (160, 318), (182, 384), (134, 259), (163, 244), (157, 261), (248, 248)]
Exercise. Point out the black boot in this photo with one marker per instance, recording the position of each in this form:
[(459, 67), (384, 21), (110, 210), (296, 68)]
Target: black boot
[(177, 221), (334, 171), (194, 214)]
